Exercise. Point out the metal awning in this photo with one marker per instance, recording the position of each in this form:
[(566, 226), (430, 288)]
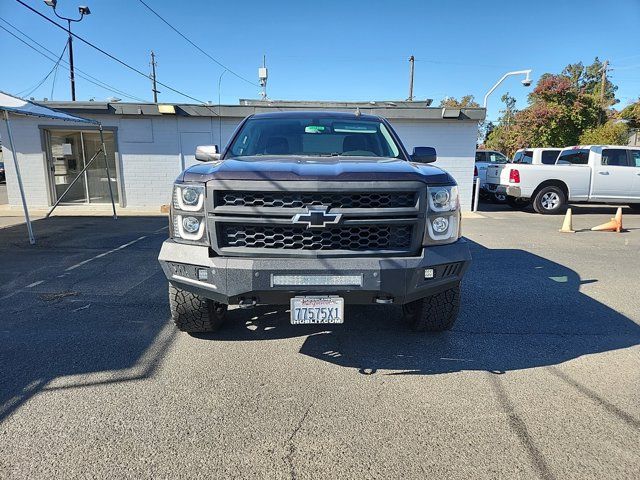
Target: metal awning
[(18, 106)]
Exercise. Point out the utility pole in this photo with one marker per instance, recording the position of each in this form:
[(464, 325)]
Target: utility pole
[(71, 74), (411, 62), (262, 77), (83, 10), (603, 83), (153, 77)]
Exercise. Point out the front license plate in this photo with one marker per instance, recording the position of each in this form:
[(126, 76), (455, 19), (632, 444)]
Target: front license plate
[(312, 310)]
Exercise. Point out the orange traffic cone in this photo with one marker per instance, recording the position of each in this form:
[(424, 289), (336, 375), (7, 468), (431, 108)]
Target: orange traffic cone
[(567, 224), (615, 225), (618, 219)]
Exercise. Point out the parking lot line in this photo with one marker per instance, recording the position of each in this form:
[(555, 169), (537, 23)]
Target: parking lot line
[(104, 254)]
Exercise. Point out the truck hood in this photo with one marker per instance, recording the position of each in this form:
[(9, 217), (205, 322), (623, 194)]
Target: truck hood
[(278, 168)]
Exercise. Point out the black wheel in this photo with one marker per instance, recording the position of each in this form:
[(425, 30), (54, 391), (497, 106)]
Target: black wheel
[(635, 207), (436, 313), (517, 203), (499, 198), (193, 313), (550, 200)]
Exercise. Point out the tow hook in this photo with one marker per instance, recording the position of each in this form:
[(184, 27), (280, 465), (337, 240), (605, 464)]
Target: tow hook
[(384, 300), (247, 303)]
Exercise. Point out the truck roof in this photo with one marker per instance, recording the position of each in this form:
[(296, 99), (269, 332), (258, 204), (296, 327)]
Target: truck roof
[(318, 114), (539, 148), (589, 147)]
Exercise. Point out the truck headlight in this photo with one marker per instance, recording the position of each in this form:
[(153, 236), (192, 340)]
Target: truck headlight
[(189, 198), (440, 225), (188, 215), (443, 215), (443, 199), (188, 227)]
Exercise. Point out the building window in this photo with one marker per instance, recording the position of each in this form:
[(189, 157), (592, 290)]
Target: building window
[(69, 152)]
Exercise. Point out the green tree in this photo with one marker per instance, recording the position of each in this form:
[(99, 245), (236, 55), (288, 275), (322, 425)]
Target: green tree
[(631, 113), (611, 133), (468, 101), (503, 136), (589, 80), (557, 115)]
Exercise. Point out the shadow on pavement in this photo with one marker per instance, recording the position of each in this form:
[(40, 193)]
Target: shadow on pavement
[(105, 321), (519, 311)]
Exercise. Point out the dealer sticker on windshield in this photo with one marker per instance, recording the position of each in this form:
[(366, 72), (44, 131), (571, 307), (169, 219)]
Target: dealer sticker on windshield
[(312, 310)]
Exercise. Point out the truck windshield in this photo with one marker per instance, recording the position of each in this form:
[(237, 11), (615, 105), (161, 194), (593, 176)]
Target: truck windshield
[(321, 137)]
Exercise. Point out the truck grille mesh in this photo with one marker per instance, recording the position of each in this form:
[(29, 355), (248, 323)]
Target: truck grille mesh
[(291, 237), (303, 199)]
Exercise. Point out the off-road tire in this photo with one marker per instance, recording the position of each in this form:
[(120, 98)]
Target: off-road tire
[(193, 313), (541, 202), (517, 203), (635, 207), (436, 313)]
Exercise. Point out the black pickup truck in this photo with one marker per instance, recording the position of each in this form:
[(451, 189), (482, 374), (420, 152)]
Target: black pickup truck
[(312, 210)]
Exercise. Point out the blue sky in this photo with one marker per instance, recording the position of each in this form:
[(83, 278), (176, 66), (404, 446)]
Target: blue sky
[(326, 50)]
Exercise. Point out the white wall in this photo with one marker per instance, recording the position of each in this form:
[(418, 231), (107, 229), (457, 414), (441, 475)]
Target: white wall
[(455, 143), (26, 137), (154, 150)]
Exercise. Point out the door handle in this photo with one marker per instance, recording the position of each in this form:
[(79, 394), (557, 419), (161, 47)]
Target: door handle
[(603, 173)]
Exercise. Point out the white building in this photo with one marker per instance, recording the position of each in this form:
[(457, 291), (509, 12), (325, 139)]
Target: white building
[(149, 145)]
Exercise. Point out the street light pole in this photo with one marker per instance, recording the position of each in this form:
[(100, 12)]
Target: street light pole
[(526, 82), (84, 10), (71, 73)]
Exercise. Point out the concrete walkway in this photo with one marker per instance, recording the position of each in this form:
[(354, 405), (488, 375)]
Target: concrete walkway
[(82, 211)]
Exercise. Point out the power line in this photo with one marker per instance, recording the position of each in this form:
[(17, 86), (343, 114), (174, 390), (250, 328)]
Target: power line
[(86, 76), (53, 84), (196, 46), (33, 89), (112, 57), (83, 75)]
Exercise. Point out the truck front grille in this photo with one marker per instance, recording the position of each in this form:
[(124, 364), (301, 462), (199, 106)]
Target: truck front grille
[(329, 199), (267, 218), (291, 237)]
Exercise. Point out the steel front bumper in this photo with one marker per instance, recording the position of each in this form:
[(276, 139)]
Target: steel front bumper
[(231, 280)]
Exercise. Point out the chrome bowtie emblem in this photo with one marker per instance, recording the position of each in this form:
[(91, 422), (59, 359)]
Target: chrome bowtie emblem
[(317, 217)]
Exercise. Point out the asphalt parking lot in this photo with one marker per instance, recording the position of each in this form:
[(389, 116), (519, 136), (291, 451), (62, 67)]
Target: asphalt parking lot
[(540, 377)]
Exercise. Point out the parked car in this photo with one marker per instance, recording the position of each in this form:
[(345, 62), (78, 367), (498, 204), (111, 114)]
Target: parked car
[(484, 158), (314, 210), (3, 176), (531, 156), (588, 173)]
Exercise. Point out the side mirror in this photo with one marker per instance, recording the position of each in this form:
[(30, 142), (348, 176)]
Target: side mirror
[(424, 154), (207, 153)]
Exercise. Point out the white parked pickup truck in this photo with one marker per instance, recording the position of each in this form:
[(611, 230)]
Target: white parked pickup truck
[(485, 158), (530, 156), (589, 173)]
